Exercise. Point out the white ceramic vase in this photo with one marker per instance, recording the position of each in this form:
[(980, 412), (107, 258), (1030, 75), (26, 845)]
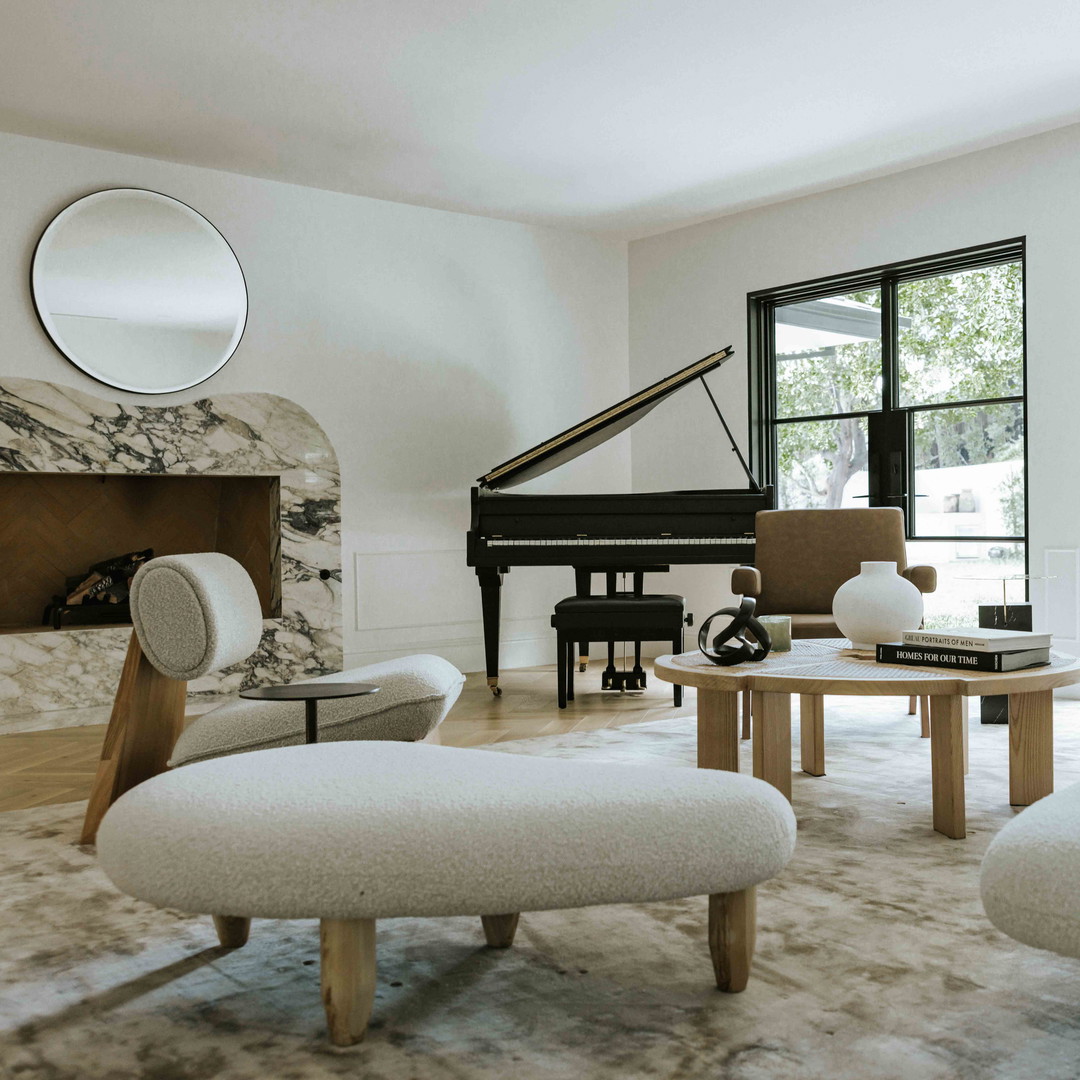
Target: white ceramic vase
[(877, 606)]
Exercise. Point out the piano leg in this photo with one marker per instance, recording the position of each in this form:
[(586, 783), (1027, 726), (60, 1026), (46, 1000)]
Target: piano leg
[(490, 595)]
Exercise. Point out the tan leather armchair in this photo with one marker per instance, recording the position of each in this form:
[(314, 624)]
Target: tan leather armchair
[(804, 556)]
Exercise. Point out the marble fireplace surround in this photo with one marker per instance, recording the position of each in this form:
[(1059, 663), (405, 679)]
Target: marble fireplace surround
[(46, 427)]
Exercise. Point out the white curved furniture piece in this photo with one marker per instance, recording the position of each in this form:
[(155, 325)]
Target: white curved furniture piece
[(415, 694), (194, 614), (197, 613), (1030, 877), (349, 834)]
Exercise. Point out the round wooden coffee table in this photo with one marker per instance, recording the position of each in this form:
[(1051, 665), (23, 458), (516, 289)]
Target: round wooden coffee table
[(824, 666)]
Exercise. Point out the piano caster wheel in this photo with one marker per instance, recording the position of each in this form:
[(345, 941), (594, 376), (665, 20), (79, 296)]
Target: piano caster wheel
[(581, 668), (496, 691)]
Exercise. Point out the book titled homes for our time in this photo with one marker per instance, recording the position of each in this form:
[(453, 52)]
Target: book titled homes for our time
[(970, 647)]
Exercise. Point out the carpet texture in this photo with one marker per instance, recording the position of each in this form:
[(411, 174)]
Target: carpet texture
[(874, 958)]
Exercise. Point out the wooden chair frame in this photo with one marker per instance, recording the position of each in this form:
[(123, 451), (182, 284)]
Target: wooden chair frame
[(147, 718)]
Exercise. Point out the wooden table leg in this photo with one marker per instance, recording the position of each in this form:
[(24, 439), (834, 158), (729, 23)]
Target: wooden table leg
[(772, 739), (947, 765), (966, 729), (718, 730), (1031, 746), (812, 728)]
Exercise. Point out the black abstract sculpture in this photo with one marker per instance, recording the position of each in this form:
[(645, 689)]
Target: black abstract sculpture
[(743, 621)]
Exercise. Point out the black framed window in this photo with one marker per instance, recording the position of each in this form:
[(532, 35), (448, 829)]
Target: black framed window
[(904, 385)]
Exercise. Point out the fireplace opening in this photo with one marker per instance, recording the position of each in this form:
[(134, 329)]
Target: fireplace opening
[(53, 526)]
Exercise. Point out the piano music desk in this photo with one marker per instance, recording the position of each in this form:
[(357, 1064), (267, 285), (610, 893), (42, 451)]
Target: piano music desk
[(822, 666)]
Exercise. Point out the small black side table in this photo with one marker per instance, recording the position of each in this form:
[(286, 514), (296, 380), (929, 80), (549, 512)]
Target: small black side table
[(995, 709), (310, 693)]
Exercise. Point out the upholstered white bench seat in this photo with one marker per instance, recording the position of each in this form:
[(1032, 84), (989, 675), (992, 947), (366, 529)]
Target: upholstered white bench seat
[(353, 832), (1030, 875), (382, 829), (415, 693)]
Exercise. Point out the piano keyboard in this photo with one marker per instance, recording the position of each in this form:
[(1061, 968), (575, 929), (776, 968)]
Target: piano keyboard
[(616, 541)]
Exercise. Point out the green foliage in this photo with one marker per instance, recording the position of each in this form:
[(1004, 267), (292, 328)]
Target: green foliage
[(974, 435), (961, 339), (965, 338)]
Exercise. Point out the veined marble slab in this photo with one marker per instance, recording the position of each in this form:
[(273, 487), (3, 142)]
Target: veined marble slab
[(46, 427)]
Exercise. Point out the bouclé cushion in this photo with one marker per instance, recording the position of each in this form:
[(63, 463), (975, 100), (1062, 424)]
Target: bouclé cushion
[(415, 693)]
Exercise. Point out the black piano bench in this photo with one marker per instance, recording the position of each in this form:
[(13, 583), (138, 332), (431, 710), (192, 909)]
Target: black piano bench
[(622, 616)]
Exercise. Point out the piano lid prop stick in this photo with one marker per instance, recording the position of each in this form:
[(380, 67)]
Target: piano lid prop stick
[(731, 439)]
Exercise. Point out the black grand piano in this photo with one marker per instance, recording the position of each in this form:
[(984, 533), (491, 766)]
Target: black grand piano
[(605, 532)]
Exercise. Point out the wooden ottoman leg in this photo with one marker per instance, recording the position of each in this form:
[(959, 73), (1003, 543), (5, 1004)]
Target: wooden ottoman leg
[(772, 739), (232, 930), (718, 729), (1031, 747), (347, 952), (732, 930), (812, 728), (947, 765), (500, 929), (747, 699), (912, 705), (924, 717)]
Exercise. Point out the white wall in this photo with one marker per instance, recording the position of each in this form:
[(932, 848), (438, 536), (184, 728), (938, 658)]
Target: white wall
[(430, 346), (688, 295)]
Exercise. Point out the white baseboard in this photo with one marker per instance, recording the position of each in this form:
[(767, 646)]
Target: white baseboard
[(466, 653)]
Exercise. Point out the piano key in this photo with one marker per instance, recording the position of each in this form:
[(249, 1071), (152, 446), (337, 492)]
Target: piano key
[(609, 541)]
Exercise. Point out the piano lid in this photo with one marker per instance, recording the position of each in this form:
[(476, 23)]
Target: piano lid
[(575, 441)]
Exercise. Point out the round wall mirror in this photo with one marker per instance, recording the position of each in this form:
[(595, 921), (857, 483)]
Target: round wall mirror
[(139, 291)]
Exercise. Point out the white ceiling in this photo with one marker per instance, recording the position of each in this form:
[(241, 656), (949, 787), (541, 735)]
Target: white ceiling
[(623, 116)]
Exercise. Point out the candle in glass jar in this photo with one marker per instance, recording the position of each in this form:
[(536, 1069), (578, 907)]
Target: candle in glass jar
[(778, 628)]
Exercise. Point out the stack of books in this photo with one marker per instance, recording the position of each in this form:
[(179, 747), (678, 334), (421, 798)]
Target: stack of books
[(969, 647)]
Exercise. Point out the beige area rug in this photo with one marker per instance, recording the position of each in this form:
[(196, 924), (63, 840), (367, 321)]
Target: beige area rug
[(874, 961)]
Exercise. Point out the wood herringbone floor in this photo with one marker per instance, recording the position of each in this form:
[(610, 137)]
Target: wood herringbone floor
[(41, 767)]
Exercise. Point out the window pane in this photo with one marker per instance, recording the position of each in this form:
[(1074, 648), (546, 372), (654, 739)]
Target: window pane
[(961, 336), (969, 465), (828, 355), (821, 464), (968, 575)]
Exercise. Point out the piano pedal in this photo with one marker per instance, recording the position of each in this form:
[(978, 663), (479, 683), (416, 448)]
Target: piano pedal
[(623, 681)]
